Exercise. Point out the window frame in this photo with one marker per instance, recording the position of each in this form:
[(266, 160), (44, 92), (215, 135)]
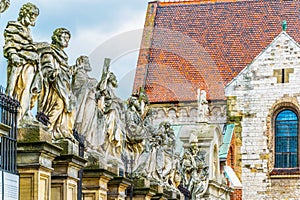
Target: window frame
[(279, 164), (284, 172)]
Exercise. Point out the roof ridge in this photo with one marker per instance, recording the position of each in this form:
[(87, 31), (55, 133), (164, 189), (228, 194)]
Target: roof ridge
[(168, 2)]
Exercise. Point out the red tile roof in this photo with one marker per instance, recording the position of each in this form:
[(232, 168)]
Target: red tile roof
[(205, 44)]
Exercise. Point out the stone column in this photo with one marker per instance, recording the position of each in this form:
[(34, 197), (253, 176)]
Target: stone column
[(34, 162), (65, 175), (117, 188), (95, 184)]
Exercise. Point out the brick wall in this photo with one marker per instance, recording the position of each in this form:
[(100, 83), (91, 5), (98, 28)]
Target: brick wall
[(236, 195)]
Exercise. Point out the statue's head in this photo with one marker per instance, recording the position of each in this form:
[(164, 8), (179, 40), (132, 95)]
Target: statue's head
[(132, 101), (4, 4), (28, 14), (84, 63), (113, 79), (61, 37)]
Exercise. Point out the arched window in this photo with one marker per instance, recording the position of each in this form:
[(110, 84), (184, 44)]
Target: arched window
[(286, 139)]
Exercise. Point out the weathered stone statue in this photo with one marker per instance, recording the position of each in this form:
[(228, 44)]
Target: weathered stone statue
[(88, 119), (56, 98), (4, 4), (194, 170), (135, 133), (21, 53), (202, 106), (157, 160), (113, 110)]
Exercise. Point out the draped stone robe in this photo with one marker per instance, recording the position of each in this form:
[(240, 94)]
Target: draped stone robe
[(56, 98)]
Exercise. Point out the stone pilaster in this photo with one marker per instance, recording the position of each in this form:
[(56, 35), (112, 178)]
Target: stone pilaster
[(34, 162), (95, 184), (64, 185), (117, 188)]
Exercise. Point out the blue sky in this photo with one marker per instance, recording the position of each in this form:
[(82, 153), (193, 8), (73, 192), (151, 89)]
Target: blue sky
[(99, 29)]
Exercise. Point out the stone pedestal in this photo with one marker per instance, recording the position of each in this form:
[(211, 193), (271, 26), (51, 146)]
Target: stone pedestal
[(95, 184), (64, 185), (34, 134), (117, 188), (142, 190), (69, 147), (34, 162), (159, 192)]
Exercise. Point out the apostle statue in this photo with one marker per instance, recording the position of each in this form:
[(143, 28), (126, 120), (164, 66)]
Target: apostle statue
[(194, 169), (88, 120), (21, 53), (112, 109), (56, 99)]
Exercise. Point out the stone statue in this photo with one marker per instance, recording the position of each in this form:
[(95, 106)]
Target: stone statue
[(134, 126), (194, 170), (22, 56), (87, 119), (112, 109), (144, 101), (202, 106), (4, 4), (56, 99), (157, 160)]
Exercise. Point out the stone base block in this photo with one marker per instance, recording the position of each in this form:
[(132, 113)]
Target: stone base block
[(34, 134), (69, 147)]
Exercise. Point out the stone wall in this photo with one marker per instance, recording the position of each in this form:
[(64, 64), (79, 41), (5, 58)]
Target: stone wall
[(187, 113), (254, 97)]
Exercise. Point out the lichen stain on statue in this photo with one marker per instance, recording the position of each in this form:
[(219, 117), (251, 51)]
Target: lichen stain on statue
[(23, 59)]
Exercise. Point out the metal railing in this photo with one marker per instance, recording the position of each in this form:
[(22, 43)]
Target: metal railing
[(8, 143)]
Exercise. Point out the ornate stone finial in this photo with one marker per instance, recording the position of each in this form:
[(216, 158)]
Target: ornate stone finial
[(284, 25)]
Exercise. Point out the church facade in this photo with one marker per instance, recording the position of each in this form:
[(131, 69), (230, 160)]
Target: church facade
[(244, 55)]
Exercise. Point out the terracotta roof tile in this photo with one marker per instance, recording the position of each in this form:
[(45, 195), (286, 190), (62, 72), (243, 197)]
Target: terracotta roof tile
[(206, 44)]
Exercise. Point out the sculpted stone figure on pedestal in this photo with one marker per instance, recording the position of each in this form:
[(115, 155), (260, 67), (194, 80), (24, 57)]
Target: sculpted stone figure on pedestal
[(202, 106), (113, 110), (194, 170), (21, 53), (134, 127), (56, 98), (157, 162), (88, 119)]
